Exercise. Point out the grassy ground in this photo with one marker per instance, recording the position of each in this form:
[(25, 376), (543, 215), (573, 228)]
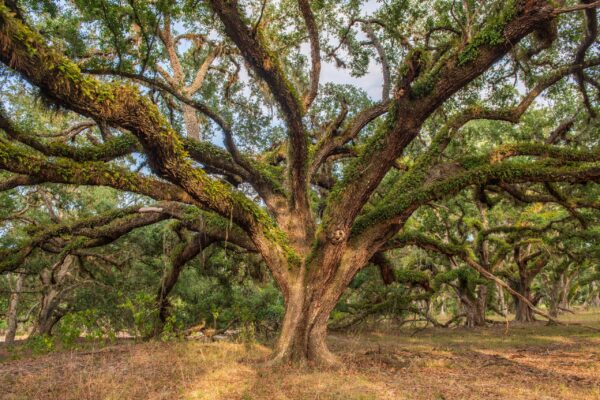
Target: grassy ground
[(521, 362)]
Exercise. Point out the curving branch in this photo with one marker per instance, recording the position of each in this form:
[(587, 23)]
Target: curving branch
[(18, 181), (425, 169), (35, 170), (71, 132), (207, 153), (383, 59), (510, 172), (334, 139), (121, 106)]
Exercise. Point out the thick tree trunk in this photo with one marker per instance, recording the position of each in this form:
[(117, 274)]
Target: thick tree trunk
[(304, 330), (13, 304), (522, 312)]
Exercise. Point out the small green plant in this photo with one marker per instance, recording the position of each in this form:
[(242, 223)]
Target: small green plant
[(215, 314), (82, 323), (248, 335), (142, 307), (172, 329), (69, 330), (41, 344)]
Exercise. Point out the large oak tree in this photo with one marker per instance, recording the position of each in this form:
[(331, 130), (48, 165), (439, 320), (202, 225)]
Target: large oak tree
[(317, 178)]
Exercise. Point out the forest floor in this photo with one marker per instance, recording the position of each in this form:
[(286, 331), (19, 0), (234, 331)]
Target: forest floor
[(522, 362)]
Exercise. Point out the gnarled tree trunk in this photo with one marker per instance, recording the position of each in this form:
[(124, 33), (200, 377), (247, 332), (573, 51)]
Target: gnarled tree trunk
[(304, 329)]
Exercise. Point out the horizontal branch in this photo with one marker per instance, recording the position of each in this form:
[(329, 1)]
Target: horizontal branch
[(94, 173), (509, 172), (115, 147), (17, 181), (104, 229), (428, 243)]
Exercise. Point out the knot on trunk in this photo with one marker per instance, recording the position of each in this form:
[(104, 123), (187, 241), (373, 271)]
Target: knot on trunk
[(336, 236)]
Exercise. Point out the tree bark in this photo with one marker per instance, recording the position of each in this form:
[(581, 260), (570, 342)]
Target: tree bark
[(559, 295), (191, 122), (304, 330), (12, 314), (47, 317)]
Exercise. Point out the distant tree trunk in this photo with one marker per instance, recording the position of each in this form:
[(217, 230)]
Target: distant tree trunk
[(443, 306), (53, 292), (13, 304), (523, 312), (522, 285), (501, 299), (595, 302), (474, 309), (473, 305), (187, 253), (481, 304), (559, 296)]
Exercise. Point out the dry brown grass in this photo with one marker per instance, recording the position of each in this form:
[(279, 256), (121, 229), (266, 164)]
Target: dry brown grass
[(525, 362)]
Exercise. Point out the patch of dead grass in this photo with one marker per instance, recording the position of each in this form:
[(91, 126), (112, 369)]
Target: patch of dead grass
[(525, 362)]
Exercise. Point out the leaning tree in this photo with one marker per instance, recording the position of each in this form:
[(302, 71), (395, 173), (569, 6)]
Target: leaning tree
[(315, 177)]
